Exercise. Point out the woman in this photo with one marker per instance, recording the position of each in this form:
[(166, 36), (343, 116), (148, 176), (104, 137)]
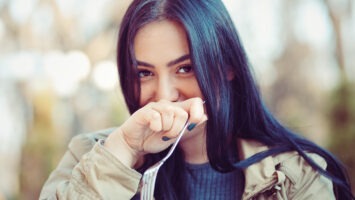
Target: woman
[(181, 60)]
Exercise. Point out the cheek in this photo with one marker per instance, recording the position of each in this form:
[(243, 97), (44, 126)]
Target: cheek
[(196, 88), (192, 89), (146, 93)]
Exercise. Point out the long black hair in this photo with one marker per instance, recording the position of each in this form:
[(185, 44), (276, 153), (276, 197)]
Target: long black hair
[(215, 51)]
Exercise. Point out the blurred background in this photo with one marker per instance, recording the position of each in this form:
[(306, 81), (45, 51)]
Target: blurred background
[(58, 76)]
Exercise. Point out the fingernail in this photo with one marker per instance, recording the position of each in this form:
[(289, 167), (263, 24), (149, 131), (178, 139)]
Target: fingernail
[(191, 126), (164, 138)]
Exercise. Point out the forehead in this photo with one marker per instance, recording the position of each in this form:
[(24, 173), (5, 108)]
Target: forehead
[(163, 39)]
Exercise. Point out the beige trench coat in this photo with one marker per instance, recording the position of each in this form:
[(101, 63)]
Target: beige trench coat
[(89, 171)]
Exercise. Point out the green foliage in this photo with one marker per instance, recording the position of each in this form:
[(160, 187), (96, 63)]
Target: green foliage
[(342, 126)]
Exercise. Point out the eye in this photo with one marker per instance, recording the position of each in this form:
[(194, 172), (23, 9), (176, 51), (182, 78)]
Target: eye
[(185, 69), (144, 73)]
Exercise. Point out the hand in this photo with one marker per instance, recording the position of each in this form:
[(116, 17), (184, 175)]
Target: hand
[(143, 132)]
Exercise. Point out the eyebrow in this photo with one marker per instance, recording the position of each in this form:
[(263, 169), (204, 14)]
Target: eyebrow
[(169, 64)]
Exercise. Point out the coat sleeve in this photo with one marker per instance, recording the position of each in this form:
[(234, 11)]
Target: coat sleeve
[(305, 183), (89, 171)]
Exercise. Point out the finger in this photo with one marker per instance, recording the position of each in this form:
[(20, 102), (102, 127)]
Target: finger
[(194, 126), (195, 108), (153, 118), (167, 115), (180, 119)]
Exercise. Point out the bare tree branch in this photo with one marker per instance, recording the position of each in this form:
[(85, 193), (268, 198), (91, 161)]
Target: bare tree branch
[(339, 54)]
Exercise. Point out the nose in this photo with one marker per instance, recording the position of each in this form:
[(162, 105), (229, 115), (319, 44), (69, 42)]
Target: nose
[(166, 89)]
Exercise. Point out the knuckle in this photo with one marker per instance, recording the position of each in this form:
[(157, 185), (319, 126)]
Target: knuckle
[(155, 115), (194, 118), (164, 101), (168, 109), (171, 110), (150, 104), (197, 100), (182, 114)]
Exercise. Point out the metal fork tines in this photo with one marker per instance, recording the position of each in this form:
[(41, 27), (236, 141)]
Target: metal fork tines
[(150, 175)]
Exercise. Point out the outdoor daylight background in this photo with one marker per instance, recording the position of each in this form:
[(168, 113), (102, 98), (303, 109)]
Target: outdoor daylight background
[(58, 76)]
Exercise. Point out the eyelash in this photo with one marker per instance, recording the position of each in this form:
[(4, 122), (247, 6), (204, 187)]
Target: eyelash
[(184, 67), (144, 73), (187, 69)]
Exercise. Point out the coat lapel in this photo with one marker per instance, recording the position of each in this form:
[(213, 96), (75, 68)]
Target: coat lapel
[(260, 176)]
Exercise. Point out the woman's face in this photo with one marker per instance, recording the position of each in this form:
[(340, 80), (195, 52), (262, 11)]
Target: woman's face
[(164, 65)]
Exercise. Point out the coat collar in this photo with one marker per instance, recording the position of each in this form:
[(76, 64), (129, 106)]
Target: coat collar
[(262, 175)]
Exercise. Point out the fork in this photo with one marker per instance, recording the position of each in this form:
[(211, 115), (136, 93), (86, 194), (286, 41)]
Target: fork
[(150, 175)]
